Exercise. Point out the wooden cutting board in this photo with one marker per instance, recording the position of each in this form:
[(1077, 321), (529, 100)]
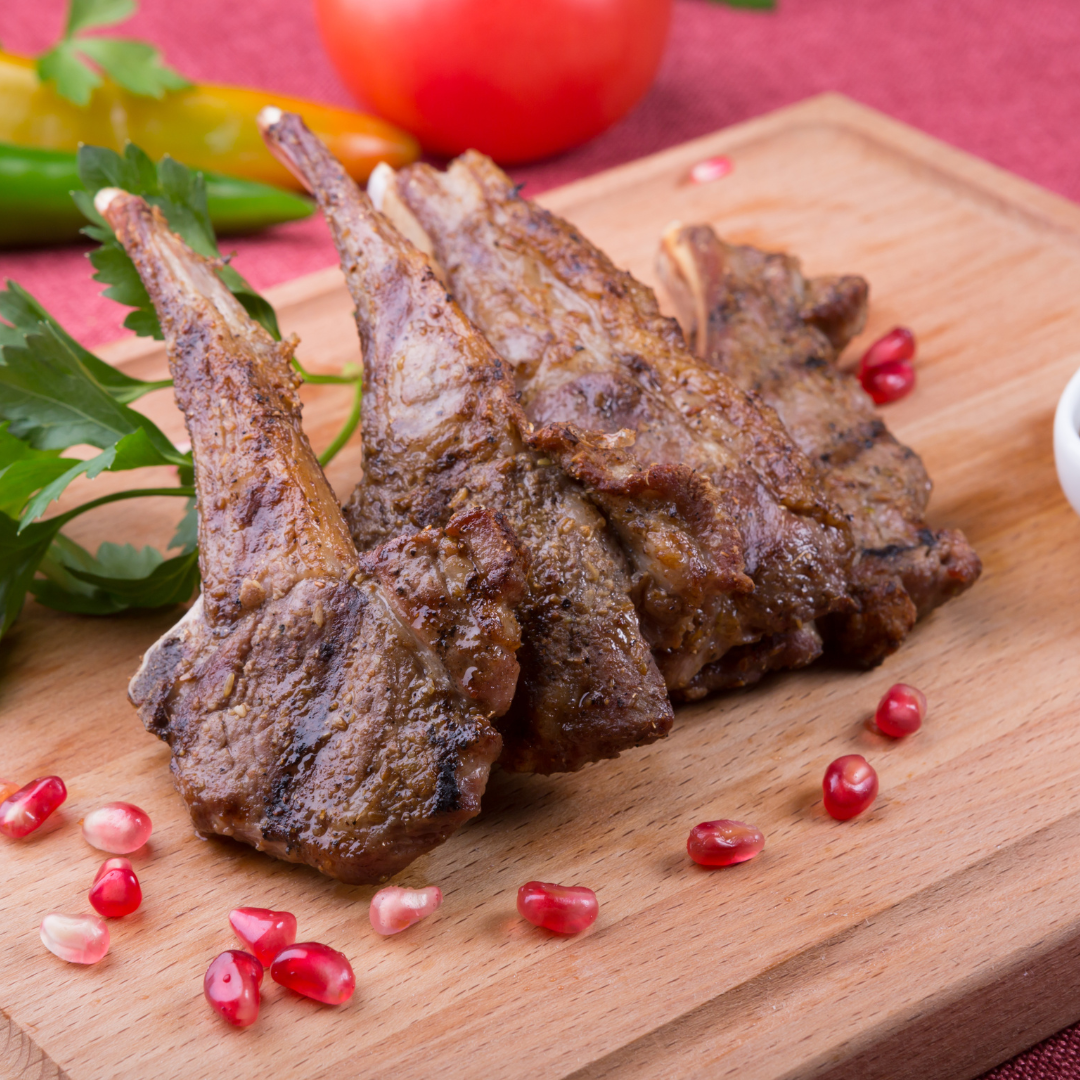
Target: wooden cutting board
[(933, 937)]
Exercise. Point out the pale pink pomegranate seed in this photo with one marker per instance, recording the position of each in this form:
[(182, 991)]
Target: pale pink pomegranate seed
[(116, 891), (316, 971), (25, 810), (850, 786), (395, 909), (888, 382), (78, 939), (724, 843), (119, 827), (897, 344), (711, 169), (263, 931), (901, 711), (8, 787), (564, 909), (231, 985)]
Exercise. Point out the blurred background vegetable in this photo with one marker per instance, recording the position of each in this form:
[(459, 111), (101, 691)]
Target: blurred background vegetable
[(36, 205), (207, 126), (517, 80), (107, 91)]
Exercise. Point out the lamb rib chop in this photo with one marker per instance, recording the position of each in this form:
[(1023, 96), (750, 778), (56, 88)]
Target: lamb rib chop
[(322, 706), (442, 431), (588, 347), (755, 317)]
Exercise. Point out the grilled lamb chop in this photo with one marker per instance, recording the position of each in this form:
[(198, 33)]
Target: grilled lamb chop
[(322, 706), (443, 432), (755, 317), (588, 346)]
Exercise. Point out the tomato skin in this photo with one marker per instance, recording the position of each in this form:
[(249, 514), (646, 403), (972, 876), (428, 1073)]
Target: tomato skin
[(516, 79)]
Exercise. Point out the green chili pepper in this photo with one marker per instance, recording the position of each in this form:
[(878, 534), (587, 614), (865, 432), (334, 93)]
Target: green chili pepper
[(36, 206)]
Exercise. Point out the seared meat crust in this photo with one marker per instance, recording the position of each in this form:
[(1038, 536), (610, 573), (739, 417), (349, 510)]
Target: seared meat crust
[(755, 317), (588, 346), (443, 431), (324, 707)]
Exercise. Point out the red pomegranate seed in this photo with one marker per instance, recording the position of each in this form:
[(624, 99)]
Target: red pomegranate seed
[(263, 931), (7, 787), (901, 711), (118, 827), (231, 985), (710, 169), (851, 785), (23, 812), (565, 909), (396, 909), (316, 971), (724, 843), (888, 382), (116, 891), (897, 344), (78, 939)]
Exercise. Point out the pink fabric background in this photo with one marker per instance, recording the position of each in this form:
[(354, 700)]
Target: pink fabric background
[(999, 78)]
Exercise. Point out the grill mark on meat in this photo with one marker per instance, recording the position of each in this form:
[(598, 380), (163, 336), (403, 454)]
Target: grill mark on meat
[(443, 431), (755, 317), (311, 711)]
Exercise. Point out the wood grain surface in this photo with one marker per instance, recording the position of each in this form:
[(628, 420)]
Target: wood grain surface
[(933, 937)]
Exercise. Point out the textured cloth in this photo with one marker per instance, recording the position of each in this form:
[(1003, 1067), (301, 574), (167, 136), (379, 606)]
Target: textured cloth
[(998, 78)]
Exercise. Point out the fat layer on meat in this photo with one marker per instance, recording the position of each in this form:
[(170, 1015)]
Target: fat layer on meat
[(442, 431), (753, 316), (323, 706), (589, 347)]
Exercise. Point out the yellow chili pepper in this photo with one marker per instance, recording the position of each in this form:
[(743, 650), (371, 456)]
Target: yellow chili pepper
[(205, 126)]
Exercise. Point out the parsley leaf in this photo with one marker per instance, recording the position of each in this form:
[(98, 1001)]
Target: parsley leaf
[(52, 397), (53, 401), (86, 14), (25, 314), (71, 65), (119, 577), (20, 555), (180, 194)]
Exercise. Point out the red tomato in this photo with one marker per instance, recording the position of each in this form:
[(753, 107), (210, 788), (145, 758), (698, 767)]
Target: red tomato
[(517, 79)]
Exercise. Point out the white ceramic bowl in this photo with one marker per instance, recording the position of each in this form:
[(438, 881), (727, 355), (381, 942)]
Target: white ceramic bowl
[(1067, 441)]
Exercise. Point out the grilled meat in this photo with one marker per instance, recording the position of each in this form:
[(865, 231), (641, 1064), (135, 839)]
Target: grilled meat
[(322, 706), (442, 432), (755, 317), (589, 347)]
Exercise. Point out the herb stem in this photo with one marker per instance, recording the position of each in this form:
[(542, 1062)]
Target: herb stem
[(345, 433), (118, 496), (348, 376)]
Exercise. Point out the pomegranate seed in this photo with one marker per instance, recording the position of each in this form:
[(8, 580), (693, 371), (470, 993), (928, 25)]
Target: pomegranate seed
[(263, 931), (710, 169), (396, 909), (118, 827), (116, 891), (724, 843), (316, 971), (897, 344), (23, 812), (888, 382), (78, 939), (231, 985), (851, 785), (565, 909), (7, 787), (901, 711)]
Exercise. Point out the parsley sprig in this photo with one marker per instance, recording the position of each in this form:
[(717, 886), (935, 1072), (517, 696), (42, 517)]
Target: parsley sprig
[(56, 395), (75, 63)]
